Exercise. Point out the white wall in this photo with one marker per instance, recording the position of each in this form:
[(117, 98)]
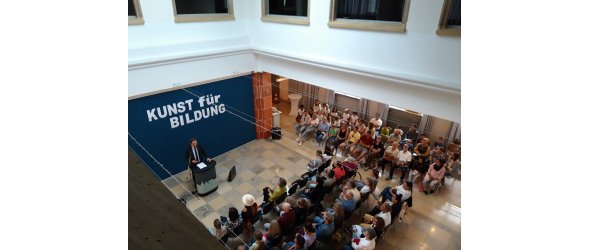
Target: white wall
[(435, 102), (160, 29), (416, 70), (416, 54), (440, 127), (162, 53)]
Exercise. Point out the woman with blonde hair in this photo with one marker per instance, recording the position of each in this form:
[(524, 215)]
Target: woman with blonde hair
[(338, 213)]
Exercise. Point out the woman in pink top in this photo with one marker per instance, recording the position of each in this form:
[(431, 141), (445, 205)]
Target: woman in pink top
[(434, 175)]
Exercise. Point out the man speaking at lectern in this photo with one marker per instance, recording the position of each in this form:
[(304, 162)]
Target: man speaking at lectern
[(194, 155)]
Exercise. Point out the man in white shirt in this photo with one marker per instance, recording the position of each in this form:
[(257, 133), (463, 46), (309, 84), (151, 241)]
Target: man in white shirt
[(402, 161), (309, 130), (365, 243), (303, 123), (385, 214), (345, 115), (404, 190), (377, 122)]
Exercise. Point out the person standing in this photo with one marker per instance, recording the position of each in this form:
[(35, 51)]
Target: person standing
[(194, 155)]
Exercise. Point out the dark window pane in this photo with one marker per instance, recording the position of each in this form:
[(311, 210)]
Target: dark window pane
[(201, 6), (378, 10), (454, 18), (287, 7), (131, 7)]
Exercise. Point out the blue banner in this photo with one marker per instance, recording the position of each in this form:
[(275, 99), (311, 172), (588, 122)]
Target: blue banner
[(219, 114)]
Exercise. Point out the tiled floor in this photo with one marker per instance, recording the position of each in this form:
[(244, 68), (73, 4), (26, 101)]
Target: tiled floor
[(434, 222)]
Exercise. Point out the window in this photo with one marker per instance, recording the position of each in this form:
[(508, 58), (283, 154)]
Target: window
[(450, 19), (402, 117), (286, 11), (135, 16), (202, 10), (343, 101), (380, 15)]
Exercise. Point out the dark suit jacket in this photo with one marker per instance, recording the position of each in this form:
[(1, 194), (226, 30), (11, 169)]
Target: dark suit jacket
[(188, 156)]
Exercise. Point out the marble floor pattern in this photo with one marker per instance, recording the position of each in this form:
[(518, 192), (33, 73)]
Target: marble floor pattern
[(434, 222)]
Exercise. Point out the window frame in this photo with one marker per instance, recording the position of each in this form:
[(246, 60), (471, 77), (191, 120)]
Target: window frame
[(387, 26), (443, 30), (299, 20), (138, 18), (185, 18)]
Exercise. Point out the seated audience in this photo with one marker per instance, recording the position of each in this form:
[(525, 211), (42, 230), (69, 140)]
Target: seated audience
[(338, 213), (451, 164), (317, 162), (315, 194), (376, 121), (385, 213), (271, 194), (339, 172), (218, 230), (436, 172), (287, 219), (403, 160), (396, 136), (422, 150), (299, 244), (349, 185), (343, 134), (273, 229), (375, 154), (349, 204), (346, 116), (304, 121), (454, 147), (364, 243), (412, 133), (326, 228), (353, 137), (364, 145), (301, 211), (377, 223), (369, 186), (389, 157), (332, 135), (405, 190), (259, 244), (321, 134), (309, 234), (249, 211), (330, 179), (354, 118), (437, 153), (234, 220), (440, 143), (334, 112), (309, 129)]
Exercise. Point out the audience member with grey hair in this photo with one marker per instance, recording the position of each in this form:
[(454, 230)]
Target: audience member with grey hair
[(287, 219), (367, 242), (348, 203), (326, 228)]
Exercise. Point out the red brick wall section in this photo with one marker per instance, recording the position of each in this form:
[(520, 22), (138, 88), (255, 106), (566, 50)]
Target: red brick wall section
[(261, 84)]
